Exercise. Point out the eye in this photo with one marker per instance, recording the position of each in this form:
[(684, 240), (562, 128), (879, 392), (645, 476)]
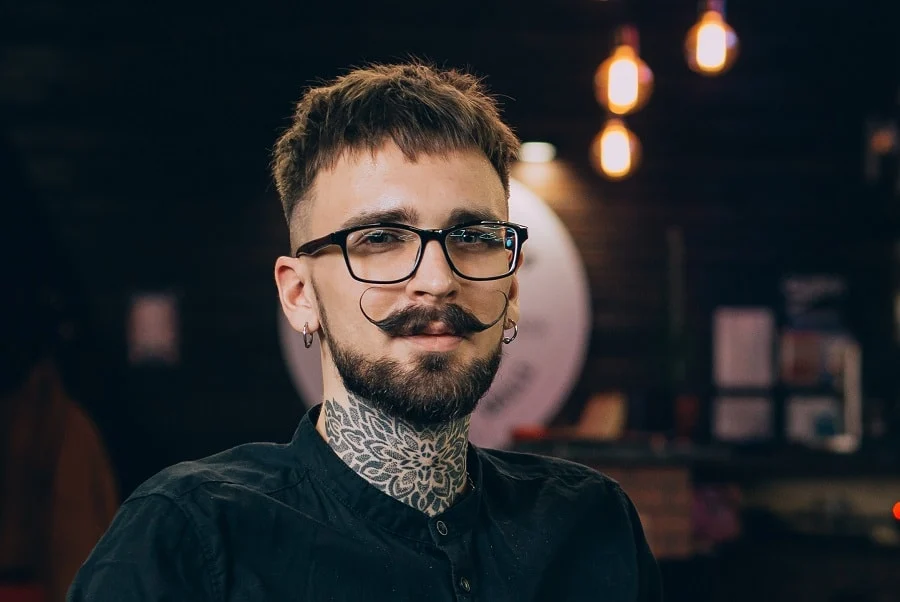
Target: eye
[(376, 237), (380, 239), (478, 237), (466, 236)]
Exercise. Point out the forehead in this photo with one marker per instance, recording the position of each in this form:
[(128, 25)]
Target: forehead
[(434, 191)]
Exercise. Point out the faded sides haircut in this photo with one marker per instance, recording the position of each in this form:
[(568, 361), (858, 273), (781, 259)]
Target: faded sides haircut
[(422, 109)]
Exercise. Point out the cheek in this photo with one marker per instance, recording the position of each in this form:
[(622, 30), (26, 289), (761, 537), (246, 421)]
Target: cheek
[(338, 299), (345, 318), (485, 342)]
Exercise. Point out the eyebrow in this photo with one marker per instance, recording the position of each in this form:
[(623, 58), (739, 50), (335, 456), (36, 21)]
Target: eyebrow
[(400, 215), (407, 215), (461, 216)]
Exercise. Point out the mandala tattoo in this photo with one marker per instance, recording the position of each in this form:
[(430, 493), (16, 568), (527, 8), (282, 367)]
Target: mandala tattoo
[(423, 467)]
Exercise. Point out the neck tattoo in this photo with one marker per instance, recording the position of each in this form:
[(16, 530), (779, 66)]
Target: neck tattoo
[(423, 467)]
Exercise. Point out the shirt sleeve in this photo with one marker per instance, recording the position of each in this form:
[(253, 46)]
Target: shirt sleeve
[(151, 552), (649, 579)]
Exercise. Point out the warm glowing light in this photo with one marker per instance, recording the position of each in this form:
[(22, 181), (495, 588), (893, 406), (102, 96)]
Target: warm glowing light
[(623, 82), (615, 150), (883, 140), (711, 45), (537, 152), (897, 510), (622, 92)]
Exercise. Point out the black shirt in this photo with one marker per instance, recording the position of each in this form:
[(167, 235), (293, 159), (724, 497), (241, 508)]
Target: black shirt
[(293, 522)]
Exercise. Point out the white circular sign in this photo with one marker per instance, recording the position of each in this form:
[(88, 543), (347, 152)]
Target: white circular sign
[(540, 367)]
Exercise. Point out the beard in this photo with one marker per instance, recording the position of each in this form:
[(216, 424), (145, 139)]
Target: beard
[(436, 389)]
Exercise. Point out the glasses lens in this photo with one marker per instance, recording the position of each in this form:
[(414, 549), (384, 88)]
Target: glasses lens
[(382, 254), (482, 251)]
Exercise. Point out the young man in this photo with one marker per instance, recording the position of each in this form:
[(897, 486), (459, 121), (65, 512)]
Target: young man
[(394, 181)]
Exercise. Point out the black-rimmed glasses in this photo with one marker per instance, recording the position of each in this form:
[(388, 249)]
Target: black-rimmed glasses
[(389, 253)]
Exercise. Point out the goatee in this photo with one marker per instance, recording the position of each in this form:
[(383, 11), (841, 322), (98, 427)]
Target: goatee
[(432, 391)]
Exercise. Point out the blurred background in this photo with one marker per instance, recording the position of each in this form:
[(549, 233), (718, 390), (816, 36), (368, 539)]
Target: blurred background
[(739, 366)]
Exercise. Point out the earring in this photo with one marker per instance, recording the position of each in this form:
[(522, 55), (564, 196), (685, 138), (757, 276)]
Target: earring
[(515, 327), (308, 336)]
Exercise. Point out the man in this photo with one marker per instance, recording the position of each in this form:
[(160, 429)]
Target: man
[(394, 181)]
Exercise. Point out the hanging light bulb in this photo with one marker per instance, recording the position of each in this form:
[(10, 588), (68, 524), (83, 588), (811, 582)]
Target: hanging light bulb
[(711, 45), (623, 82), (615, 152)]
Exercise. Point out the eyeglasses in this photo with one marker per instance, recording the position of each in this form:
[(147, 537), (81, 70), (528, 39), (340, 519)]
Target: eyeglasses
[(390, 253)]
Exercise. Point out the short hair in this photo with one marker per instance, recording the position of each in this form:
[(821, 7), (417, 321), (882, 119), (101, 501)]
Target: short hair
[(422, 109)]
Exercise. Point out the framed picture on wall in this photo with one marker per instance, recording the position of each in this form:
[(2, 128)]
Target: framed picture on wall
[(743, 347), (153, 329)]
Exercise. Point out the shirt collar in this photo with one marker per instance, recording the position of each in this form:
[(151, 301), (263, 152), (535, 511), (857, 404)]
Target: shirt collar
[(370, 503)]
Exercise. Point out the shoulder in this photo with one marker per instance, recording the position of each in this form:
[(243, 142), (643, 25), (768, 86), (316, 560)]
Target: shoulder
[(254, 468), (555, 477), (558, 498), (153, 550), (171, 526), (533, 467)]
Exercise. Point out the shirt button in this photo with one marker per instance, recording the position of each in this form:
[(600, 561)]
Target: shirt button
[(465, 585), (441, 527)]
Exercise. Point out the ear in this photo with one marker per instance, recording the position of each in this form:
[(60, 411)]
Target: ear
[(513, 310), (296, 294)]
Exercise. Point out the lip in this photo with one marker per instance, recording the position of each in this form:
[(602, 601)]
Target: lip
[(435, 342), (437, 329)]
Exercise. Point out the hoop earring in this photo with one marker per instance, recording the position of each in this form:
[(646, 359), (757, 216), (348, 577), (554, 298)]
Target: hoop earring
[(515, 327), (308, 336)]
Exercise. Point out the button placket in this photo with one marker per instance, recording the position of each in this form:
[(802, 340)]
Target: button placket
[(457, 547)]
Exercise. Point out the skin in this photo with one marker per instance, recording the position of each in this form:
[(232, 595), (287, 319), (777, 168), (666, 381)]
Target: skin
[(422, 466)]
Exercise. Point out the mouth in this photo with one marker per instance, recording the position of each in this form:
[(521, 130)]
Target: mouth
[(438, 329), (437, 336), (434, 342)]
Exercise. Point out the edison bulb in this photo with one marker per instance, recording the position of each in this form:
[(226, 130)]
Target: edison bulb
[(615, 151), (623, 82), (711, 46)]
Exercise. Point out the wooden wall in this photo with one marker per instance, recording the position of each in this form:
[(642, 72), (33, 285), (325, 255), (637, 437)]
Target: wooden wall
[(145, 133)]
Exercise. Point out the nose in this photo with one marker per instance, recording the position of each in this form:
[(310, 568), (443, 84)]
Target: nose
[(434, 277)]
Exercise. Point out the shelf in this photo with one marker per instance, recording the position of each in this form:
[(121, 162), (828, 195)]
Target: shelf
[(721, 462)]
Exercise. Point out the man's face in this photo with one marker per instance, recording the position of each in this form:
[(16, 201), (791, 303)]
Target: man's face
[(432, 373)]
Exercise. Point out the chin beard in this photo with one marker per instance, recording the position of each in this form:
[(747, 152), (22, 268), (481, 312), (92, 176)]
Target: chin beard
[(434, 390)]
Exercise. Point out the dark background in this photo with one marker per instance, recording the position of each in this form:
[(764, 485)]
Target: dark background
[(144, 134)]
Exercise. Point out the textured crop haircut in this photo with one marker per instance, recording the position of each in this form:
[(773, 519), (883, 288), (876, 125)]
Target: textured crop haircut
[(422, 109)]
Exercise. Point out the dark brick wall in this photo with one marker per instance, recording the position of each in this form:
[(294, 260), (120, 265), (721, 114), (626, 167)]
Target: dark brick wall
[(145, 133)]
